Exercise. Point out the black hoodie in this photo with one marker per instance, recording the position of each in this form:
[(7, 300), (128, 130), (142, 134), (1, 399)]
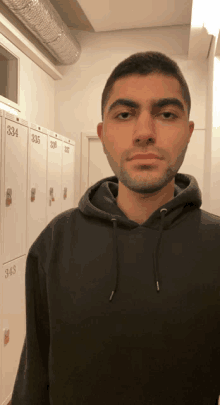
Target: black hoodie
[(122, 313)]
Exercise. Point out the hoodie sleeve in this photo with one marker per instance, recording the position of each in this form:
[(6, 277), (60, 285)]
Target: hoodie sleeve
[(32, 380)]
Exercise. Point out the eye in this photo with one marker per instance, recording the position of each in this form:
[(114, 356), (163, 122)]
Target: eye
[(166, 112), (122, 113)]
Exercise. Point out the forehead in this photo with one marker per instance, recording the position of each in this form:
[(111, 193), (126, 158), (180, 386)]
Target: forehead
[(146, 87)]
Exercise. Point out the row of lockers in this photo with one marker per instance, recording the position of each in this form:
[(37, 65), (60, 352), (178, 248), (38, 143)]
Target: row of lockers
[(37, 183)]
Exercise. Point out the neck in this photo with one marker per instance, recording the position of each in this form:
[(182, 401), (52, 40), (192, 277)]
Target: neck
[(139, 210)]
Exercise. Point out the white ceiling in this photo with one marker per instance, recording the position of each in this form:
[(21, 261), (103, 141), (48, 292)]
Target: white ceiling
[(98, 16), (111, 15)]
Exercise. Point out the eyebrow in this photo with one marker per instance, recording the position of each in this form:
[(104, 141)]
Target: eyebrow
[(161, 102)]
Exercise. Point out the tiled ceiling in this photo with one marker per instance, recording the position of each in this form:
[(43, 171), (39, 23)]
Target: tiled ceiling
[(111, 15)]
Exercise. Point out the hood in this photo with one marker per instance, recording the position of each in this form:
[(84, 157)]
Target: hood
[(99, 201)]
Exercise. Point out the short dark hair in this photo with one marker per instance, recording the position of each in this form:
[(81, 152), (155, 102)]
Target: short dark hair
[(145, 63)]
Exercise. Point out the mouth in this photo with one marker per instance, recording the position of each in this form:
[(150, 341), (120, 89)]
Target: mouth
[(145, 161), (142, 158), (149, 155)]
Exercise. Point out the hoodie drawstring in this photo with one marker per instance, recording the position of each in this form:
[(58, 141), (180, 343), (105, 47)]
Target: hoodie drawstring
[(115, 264), (155, 253)]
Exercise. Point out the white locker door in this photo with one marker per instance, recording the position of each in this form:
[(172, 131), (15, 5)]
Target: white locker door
[(14, 160), (13, 323), (1, 288), (37, 184), (54, 176), (68, 174)]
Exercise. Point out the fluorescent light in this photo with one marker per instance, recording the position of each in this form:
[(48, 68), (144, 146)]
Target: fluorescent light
[(211, 17), (8, 109)]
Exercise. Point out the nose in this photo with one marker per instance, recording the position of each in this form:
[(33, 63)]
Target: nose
[(144, 127)]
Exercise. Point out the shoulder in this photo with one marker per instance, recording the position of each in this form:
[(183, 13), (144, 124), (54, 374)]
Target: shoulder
[(209, 221)]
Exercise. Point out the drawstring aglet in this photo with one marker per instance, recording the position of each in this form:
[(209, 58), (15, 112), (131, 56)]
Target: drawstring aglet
[(158, 288), (111, 295)]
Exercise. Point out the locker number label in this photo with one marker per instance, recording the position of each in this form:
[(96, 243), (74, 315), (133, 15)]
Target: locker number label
[(10, 272), (35, 138), (12, 131), (53, 144)]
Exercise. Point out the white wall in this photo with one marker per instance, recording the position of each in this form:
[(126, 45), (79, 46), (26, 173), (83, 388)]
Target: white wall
[(78, 95), (37, 89), (37, 94)]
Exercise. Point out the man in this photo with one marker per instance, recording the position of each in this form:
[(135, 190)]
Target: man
[(122, 293)]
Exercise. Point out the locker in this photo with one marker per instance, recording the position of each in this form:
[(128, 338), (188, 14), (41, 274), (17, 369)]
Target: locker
[(13, 321), (37, 183), (54, 176), (14, 176), (68, 168)]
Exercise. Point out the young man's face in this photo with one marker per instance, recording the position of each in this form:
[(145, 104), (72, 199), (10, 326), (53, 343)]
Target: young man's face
[(126, 131)]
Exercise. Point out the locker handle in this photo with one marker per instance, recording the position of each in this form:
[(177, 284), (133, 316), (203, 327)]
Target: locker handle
[(8, 197), (51, 196), (33, 192), (6, 336), (65, 193)]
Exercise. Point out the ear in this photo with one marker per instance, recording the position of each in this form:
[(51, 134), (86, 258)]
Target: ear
[(100, 130), (191, 128)]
